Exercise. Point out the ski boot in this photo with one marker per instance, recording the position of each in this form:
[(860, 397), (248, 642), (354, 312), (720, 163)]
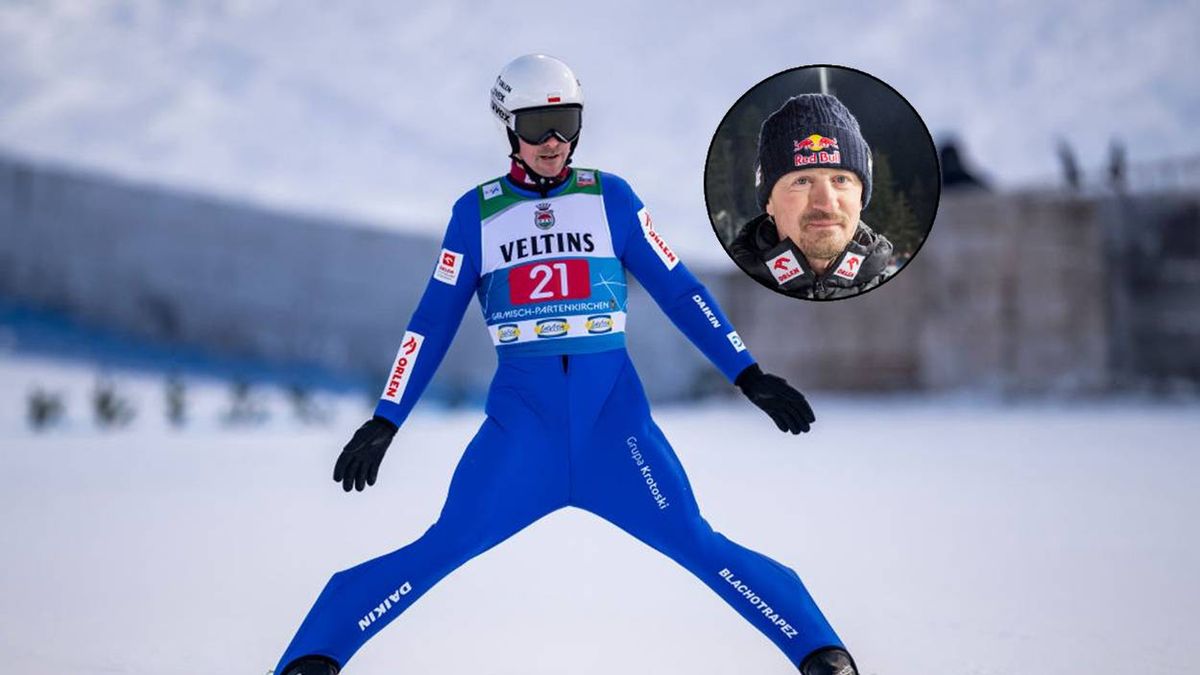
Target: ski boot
[(311, 665), (829, 661)]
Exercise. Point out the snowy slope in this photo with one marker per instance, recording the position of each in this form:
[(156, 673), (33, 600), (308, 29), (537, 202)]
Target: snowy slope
[(939, 537), (378, 109)]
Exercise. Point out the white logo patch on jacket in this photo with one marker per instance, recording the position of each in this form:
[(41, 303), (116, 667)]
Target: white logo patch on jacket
[(449, 264), (784, 267), (849, 267), (656, 241), (406, 358)]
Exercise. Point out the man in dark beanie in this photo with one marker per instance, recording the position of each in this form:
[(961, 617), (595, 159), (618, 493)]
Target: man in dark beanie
[(813, 179)]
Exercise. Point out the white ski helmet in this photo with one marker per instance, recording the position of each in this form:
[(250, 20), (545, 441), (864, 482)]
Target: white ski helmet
[(543, 86)]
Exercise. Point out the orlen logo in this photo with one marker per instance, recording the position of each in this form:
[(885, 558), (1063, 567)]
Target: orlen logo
[(448, 267), (406, 357), (708, 313), (849, 267), (816, 149), (550, 328), (784, 267), (665, 254), (601, 323), (509, 332)]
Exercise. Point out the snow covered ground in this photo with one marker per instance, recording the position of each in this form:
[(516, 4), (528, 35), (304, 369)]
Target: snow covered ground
[(939, 536)]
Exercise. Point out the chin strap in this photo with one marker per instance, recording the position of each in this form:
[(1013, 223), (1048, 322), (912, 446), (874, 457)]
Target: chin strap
[(524, 175)]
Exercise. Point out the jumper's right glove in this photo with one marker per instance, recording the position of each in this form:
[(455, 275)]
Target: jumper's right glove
[(777, 398), (358, 465)]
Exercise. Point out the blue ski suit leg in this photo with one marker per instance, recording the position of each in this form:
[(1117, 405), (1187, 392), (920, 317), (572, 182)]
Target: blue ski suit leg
[(624, 470), (511, 474), (564, 431)]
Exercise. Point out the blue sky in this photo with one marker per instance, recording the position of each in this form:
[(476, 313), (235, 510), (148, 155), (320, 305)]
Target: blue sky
[(379, 109)]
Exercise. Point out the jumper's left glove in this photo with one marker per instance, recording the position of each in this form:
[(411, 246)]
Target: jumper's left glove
[(358, 465), (777, 398)]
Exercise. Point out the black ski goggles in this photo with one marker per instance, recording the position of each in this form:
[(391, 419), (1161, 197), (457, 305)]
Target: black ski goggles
[(536, 125)]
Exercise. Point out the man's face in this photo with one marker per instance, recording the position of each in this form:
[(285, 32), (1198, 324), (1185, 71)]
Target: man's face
[(817, 209), (547, 159)]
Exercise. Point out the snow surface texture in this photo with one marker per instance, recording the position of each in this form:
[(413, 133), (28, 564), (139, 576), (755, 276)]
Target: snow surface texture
[(378, 109), (938, 536)]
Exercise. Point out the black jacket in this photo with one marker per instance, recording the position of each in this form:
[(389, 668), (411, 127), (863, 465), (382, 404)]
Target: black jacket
[(757, 250)]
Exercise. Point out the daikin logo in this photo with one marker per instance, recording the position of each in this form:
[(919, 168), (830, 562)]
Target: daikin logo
[(708, 313), (374, 615)]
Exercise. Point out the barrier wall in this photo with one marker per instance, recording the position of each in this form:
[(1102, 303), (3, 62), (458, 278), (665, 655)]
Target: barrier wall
[(1011, 292)]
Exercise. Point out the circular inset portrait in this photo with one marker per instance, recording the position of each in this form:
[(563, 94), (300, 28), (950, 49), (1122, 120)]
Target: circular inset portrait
[(822, 182)]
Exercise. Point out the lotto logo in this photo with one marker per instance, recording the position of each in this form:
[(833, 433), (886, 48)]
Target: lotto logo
[(509, 332), (551, 328), (448, 266), (601, 323)]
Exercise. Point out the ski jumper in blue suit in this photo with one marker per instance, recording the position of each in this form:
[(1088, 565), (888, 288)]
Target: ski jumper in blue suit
[(567, 422)]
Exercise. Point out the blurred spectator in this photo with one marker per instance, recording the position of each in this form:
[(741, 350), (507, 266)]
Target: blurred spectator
[(955, 173), (305, 408), (245, 408), (45, 409), (176, 399), (110, 408), (1070, 167), (1116, 166)]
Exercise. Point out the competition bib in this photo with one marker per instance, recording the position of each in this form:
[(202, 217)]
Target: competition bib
[(550, 282)]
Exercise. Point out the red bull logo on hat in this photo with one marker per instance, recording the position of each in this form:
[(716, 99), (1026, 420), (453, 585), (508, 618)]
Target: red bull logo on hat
[(816, 149)]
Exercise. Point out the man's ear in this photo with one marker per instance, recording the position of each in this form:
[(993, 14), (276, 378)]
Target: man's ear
[(770, 208)]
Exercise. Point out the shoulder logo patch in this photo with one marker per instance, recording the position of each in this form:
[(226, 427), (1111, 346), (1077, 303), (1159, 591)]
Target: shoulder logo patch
[(656, 241), (448, 267), (849, 267), (784, 267), (492, 190), (585, 178)]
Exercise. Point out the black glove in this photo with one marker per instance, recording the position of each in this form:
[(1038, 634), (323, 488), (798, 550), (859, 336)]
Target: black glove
[(777, 398), (358, 465)]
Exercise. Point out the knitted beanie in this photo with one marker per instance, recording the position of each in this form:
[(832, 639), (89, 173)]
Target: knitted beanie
[(810, 131)]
